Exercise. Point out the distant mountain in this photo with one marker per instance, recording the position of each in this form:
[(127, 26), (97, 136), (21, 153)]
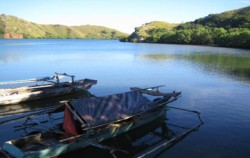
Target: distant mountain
[(13, 27), (227, 29)]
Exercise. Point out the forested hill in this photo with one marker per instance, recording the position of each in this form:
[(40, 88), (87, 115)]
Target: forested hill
[(13, 27), (239, 18), (228, 29), (145, 32)]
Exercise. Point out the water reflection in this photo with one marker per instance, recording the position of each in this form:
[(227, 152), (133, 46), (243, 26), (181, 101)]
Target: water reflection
[(233, 65), (157, 57)]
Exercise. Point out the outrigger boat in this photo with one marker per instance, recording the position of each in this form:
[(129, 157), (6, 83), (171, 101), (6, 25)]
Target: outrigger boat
[(40, 91), (89, 121)]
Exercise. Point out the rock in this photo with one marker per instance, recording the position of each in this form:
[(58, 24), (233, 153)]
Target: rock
[(12, 36)]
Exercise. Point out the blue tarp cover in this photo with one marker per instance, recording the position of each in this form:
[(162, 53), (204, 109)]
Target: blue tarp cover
[(101, 110)]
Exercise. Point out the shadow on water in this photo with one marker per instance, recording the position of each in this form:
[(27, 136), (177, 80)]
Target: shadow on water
[(232, 65), (32, 106)]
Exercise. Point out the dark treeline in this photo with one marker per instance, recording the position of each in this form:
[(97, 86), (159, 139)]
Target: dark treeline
[(228, 29), (200, 35)]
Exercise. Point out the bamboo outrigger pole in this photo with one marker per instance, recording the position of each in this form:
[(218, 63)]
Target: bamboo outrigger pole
[(26, 81), (39, 79), (174, 140)]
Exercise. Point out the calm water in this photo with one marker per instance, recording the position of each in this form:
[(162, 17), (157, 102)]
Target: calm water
[(213, 81)]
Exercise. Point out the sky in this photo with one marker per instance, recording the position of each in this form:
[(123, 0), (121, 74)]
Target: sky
[(123, 15)]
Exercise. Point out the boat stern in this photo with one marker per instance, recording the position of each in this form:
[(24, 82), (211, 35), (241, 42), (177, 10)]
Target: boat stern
[(86, 83)]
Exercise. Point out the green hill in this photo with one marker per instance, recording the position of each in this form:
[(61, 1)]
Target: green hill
[(239, 18), (13, 27), (227, 29), (153, 28)]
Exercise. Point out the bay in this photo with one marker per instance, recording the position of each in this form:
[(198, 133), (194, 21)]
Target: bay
[(214, 81)]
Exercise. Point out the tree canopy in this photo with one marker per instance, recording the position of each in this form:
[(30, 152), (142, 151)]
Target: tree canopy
[(228, 29)]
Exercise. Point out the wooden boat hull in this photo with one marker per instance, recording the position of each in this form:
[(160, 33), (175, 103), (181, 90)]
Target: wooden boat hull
[(56, 148), (29, 93)]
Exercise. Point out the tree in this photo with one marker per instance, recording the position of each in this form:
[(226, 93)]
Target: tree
[(218, 35), (202, 36), (167, 37), (155, 34), (182, 36)]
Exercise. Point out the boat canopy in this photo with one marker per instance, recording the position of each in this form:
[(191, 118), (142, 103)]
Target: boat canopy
[(100, 110)]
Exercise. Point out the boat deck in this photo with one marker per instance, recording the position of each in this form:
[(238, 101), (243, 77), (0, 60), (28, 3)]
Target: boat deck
[(38, 142)]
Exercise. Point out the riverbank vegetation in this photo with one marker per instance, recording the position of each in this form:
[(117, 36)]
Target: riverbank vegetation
[(228, 29)]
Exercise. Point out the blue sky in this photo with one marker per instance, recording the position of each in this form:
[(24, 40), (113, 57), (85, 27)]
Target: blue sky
[(123, 15)]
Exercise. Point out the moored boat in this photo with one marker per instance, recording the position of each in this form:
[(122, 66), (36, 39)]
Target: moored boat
[(52, 88), (89, 121)]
